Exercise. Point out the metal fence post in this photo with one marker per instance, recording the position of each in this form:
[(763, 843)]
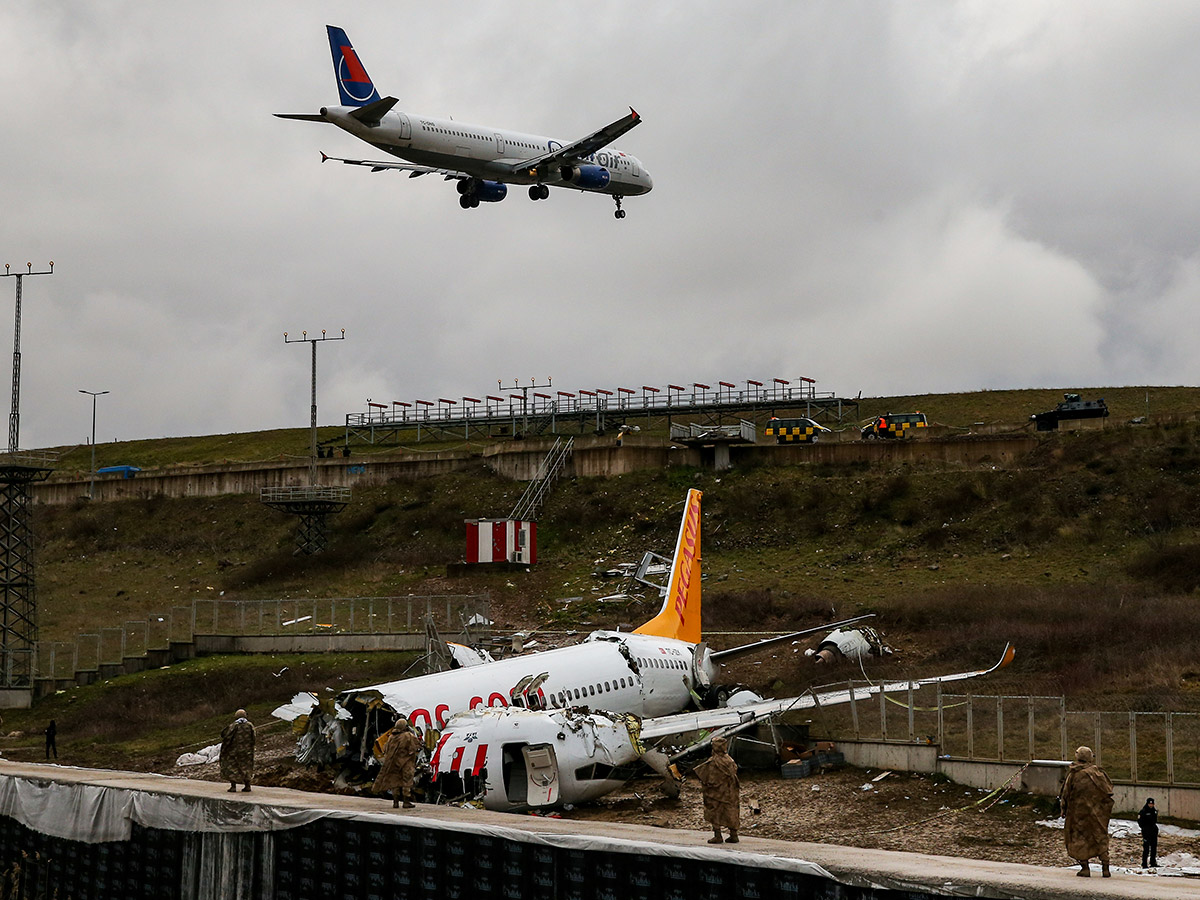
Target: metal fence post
[(941, 719), (912, 732), (1170, 723), (1000, 728), (1133, 747), (1062, 728), (883, 713), (1032, 748), (970, 728), (853, 709), (1096, 730)]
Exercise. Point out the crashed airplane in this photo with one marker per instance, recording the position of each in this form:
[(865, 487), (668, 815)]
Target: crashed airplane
[(517, 759), (621, 686), (659, 668)]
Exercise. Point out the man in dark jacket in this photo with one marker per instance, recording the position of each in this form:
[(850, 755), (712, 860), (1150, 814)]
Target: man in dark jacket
[(1148, 822)]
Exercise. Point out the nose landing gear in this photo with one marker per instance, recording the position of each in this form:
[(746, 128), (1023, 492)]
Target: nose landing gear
[(620, 213)]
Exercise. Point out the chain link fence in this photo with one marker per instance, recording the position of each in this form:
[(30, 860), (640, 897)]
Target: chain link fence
[(1152, 748)]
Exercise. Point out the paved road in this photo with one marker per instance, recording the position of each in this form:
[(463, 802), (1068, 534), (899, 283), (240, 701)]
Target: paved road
[(940, 874)]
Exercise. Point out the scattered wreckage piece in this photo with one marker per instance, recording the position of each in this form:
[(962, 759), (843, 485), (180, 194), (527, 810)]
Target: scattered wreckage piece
[(850, 643)]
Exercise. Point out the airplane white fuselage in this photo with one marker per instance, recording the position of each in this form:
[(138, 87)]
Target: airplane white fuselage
[(612, 671), (523, 759), (481, 151)]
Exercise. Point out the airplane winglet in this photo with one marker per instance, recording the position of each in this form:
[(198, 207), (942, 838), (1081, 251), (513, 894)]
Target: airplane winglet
[(324, 158)]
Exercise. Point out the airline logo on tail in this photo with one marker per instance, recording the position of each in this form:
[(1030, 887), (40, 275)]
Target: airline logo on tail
[(679, 617), (354, 84)]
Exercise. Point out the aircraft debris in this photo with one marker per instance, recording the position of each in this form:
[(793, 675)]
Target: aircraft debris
[(850, 643)]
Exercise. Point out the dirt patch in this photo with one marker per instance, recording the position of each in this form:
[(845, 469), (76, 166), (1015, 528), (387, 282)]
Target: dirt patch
[(904, 811)]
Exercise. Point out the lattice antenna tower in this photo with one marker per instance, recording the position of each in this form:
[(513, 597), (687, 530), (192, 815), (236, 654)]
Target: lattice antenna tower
[(18, 584), (313, 504)]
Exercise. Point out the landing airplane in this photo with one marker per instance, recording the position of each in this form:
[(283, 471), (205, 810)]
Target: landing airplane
[(661, 667), (484, 160), (517, 759)]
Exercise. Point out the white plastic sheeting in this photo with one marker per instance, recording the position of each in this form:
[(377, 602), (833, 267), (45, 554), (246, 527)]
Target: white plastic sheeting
[(209, 754), (95, 814)]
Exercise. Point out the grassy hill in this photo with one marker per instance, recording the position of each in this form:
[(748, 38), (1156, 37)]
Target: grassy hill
[(1086, 554)]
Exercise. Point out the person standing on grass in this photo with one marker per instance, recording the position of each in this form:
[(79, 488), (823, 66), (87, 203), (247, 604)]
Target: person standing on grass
[(51, 740), (237, 752), (722, 792), (1087, 802), (1148, 822)]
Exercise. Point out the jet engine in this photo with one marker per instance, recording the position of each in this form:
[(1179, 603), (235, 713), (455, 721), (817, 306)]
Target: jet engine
[(590, 178)]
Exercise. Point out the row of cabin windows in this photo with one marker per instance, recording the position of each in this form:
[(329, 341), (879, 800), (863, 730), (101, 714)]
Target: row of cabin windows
[(563, 698), (480, 137), (662, 662)]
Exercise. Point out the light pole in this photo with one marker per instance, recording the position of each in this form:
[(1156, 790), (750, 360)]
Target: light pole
[(92, 483)]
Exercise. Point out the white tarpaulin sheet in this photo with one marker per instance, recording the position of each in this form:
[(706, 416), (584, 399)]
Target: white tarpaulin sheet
[(95, 814)]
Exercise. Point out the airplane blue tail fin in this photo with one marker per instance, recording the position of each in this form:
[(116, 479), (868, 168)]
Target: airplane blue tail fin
[(354, 84)]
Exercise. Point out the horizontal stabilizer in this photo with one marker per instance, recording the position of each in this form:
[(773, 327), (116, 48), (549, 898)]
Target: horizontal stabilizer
[(303, 117), (372, 114)]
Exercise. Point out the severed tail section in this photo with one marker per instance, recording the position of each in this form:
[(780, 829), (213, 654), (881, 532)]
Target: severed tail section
[(679, 617)]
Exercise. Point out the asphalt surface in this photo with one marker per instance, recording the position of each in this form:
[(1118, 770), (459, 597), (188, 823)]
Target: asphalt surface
[(854, 865)]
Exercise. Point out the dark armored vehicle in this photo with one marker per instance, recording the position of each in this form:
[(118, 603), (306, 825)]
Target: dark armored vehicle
[(1072, 407)]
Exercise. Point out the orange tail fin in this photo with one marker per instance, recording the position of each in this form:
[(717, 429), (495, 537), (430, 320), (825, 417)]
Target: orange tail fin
[(679, 617)]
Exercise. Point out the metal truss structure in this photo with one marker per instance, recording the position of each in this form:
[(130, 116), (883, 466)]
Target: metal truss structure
[(18, 583), (314, 505), (540, 413)]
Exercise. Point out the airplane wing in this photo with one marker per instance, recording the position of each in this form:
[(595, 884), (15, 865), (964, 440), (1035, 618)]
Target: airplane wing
[(725, 655), (582, 148), (380, 166), (734, 718)]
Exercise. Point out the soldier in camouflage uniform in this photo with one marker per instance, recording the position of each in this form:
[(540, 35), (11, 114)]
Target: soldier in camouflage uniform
[(722, 793), (399, 763), (1087, 802), (237, 752)]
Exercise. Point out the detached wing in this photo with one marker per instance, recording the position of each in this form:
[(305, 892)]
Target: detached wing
[(380, 166), (723, 655), (580, 149), (735, 718)]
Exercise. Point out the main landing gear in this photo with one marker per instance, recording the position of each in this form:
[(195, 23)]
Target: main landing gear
[(620, 213), (469, 196), (538, 192)]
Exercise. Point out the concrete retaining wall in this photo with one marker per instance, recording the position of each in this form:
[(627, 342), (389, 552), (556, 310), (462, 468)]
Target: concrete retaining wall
[(217, 644), (519, 460), (1042, 777)]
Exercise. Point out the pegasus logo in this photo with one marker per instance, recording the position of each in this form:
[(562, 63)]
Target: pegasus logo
[(687, 558)]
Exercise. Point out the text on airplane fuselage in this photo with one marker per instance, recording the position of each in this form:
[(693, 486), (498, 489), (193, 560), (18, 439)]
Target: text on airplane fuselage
[(687, 553)]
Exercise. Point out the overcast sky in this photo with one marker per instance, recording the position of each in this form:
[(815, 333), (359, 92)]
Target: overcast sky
[(886, 197)]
